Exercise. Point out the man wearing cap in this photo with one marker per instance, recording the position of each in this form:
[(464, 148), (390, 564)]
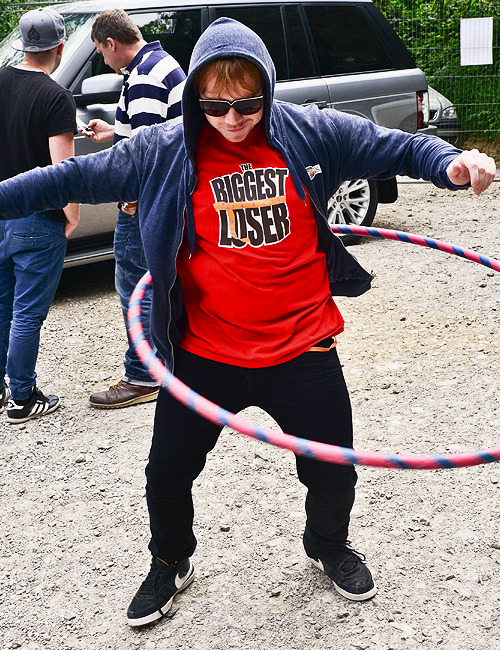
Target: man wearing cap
[(37, 124)]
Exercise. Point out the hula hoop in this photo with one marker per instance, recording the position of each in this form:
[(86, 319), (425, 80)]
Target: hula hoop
[(302, 446)]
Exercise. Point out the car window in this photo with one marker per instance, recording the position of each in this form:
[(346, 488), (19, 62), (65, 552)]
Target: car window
[(344, 40), (177, 32), (268, 24), (300, 58), (99, 67)]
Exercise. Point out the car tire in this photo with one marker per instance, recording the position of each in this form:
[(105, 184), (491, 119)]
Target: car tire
[(353, 204)]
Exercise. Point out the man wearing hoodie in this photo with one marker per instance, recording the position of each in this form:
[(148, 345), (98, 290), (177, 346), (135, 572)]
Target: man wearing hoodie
[(244, 267)]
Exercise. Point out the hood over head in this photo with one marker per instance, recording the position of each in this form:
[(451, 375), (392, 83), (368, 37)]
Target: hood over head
[(222, 39)]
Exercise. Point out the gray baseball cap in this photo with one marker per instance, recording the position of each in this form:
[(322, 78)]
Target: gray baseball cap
[(41, 30)]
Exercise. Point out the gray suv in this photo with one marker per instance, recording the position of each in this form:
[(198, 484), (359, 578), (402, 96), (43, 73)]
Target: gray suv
[(334, 53)]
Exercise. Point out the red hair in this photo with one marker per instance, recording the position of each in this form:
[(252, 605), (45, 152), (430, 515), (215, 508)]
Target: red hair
[(228, 71)]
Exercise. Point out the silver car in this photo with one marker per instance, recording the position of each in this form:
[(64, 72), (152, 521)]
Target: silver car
[(333, 53)]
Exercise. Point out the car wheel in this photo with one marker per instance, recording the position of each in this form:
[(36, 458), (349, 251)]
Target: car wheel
[(353, 204)]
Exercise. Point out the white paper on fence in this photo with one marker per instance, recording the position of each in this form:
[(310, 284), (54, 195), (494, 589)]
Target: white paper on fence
[(476, 41)]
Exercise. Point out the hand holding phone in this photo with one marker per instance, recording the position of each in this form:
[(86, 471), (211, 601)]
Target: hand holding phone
[(84, 127), (96, 130)]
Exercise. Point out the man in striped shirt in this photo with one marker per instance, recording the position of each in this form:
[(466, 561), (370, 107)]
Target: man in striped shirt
[(151, 93)]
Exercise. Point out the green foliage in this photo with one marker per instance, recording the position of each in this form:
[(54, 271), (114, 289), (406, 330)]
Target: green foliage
[(431, 31), (9, 16), (11, 11)]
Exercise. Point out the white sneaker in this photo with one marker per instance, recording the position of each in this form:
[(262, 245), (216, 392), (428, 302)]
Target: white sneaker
[(38, 405)]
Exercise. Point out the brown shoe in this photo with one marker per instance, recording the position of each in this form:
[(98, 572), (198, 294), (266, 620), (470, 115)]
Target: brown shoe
[(124, 394)]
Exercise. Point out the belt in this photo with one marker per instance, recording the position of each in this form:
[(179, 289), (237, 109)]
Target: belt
[(324, 345)]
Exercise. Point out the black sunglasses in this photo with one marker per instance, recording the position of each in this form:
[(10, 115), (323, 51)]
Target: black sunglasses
[(220, 107)]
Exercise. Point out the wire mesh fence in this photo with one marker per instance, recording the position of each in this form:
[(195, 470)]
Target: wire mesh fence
[(431, 30)]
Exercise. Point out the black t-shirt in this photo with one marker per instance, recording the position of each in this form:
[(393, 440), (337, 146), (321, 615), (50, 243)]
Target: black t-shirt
[(33, 108)]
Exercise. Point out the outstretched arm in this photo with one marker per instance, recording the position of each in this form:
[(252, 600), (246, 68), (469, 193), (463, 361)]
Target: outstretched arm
[(105, 177), (371, 151), (474, 168)]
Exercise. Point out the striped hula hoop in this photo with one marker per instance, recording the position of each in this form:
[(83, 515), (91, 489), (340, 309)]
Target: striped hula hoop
[(302, 446)]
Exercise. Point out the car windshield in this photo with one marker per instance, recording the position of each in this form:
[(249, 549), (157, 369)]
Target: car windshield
[(77, 27)]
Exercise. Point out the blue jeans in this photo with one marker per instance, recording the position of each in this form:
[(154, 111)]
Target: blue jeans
[(31, 262), (129, 269), (307, 397)]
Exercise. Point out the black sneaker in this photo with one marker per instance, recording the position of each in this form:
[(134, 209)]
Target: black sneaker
[(350, 576), (4, 397), (157, 592), (37, 405)]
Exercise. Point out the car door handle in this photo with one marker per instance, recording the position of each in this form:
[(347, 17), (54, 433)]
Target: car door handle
[(313, 100)]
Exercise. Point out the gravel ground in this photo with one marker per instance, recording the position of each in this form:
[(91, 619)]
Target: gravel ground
[(420, 357)]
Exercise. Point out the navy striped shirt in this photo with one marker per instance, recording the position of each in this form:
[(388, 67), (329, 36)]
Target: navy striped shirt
[(151, 93)]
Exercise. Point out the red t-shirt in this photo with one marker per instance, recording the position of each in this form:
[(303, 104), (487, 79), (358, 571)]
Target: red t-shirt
[(255, 289)]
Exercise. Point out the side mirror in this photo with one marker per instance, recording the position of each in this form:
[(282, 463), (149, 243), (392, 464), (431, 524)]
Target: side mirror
[(103, 89)]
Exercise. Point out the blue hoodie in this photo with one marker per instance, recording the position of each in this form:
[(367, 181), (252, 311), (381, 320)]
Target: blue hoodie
[(322, 149)]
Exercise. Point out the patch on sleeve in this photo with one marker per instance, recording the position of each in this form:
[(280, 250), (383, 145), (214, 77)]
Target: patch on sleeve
[(312, 170)]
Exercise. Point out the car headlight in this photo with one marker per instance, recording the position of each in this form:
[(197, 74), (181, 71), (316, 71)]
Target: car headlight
[(450, 113), (423, 109)]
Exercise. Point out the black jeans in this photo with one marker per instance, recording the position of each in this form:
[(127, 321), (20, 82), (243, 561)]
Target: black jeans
[(307, 397)]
